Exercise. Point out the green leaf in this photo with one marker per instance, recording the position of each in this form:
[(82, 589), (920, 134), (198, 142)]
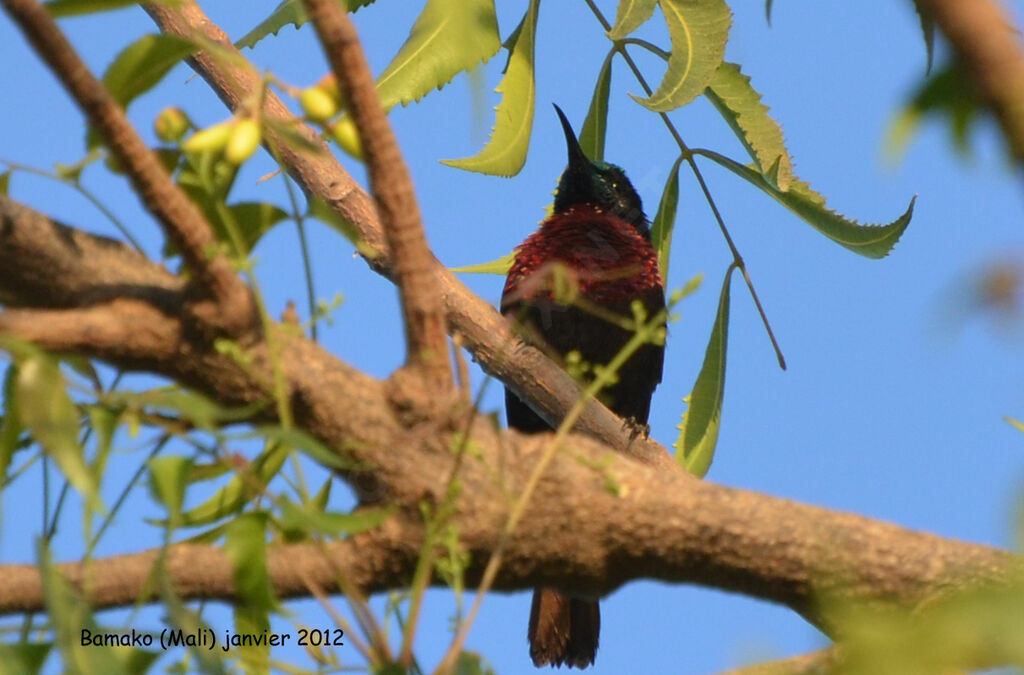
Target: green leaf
[(240, 490), (946, 93), (5, 183), (168, 477), (665, 219), (472, 663), (201, 411), (289, 12), (505, 152), (1017, 424), (323, 212), (699, 30), (136, 661), (70, 616), (630, 15), (104, 423), (254, 220), (500, 266), (141, 65), (23, 658), (740, 104), (698, 431), (47, 412), (927, 32), (870, 241), (62, 8), (10, 423), (309, 519), (246, 549), (449, 36), (595, 126), (188, 622), (304, 442)]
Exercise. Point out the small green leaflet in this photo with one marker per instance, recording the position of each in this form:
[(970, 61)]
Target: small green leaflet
[(168, 477), (245, 546), (665, 219), (741, 107), (500, 266), (312, 520), (249, 483), (1017, 424), (630, 15), (870, 241), (698, 431), (505, 152), (24, 658), (289, 12), (5, 183), (48, 413), (595, 126), (326, 214), (141, 65), (449, 36), (62, 8), (945, 93), (69, 615), (699, 30), (927, 32)]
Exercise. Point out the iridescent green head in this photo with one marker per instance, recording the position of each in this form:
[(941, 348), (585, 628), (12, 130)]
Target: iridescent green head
[(597, 183)]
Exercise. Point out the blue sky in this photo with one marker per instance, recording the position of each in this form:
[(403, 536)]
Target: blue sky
[(893, 402)]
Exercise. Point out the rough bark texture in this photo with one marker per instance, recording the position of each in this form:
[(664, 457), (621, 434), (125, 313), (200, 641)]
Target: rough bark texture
[(577, 535)]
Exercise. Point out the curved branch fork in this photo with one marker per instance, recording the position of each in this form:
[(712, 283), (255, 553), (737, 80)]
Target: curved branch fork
[(220, 299)]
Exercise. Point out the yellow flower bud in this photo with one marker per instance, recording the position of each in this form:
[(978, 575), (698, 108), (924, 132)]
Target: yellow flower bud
[(209, 139), (171, 124), (318, 105), (243, 141), (347, 137)]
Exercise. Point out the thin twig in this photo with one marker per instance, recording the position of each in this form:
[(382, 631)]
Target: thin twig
[(425, 334)]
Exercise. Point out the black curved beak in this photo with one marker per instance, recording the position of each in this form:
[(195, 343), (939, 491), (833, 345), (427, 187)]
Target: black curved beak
[(578, 161)]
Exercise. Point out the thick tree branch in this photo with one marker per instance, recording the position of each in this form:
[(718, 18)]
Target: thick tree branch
[(391, 185), (598, 518), (984, 37), (181, 219), (528, 371), (579, 536)]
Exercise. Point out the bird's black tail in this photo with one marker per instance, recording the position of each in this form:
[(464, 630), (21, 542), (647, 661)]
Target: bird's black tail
[(563, 630)]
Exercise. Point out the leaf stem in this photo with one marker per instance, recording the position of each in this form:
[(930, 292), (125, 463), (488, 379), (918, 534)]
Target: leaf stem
[(620, 46)]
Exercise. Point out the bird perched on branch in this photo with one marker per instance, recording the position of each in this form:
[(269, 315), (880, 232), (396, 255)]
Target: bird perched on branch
[(571, 290)]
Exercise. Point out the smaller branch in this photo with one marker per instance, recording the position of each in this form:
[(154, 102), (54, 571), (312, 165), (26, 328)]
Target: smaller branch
[(426, 337), (127, 331), (985, 39), (181, 220), (530, 373)]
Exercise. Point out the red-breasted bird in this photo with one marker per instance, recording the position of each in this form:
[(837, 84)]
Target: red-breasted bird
[(598, 243)]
